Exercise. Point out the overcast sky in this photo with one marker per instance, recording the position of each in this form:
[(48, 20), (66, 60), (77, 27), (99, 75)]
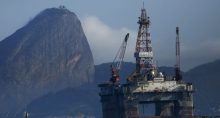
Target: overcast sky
[(106, 22)]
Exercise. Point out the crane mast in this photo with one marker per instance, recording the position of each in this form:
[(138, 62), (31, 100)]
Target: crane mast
[(177, 66), (143, 52), (118, 60)]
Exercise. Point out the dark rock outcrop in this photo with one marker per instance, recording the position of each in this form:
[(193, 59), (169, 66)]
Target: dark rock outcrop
[(48, 54)]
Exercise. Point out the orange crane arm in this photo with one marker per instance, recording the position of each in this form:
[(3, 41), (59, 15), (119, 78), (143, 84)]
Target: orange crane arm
[(118, 60)]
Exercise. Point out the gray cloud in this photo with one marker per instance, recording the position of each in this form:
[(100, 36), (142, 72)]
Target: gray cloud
[(105, 41)]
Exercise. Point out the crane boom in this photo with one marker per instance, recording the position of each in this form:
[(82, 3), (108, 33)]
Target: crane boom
[(118, 60)]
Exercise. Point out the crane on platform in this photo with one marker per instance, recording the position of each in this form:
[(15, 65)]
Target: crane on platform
[(118, 60)]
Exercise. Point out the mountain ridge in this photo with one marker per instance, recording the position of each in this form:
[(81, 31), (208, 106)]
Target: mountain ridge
[(205, 79), (48, 54)]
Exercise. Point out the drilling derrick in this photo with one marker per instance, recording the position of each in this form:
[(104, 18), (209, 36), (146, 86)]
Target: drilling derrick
[(143, 52)]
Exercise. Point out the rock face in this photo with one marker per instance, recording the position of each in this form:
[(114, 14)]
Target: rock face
[(48, 54)]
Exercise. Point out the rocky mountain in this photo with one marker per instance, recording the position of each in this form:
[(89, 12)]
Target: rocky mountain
[(49, 54)]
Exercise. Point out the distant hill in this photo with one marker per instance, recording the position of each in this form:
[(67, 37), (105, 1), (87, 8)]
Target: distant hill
[(49, 54), (103, 71), (206, 80), (77, 102)]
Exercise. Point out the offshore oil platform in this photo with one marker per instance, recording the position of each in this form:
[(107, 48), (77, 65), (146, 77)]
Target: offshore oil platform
[(172, 97)]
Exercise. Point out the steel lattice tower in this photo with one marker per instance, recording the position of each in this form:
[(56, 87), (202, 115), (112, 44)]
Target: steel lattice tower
[(143, 52)]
